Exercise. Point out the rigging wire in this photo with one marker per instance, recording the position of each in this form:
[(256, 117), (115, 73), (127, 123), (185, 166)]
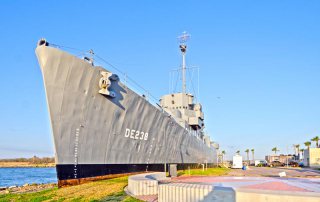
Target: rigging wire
[(177, 79), (194, 92), (67, 47), (128, 78), (90, 52)]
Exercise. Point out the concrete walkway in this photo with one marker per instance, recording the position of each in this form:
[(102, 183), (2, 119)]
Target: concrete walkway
[(243, 186), (263, 183), (274, 172)]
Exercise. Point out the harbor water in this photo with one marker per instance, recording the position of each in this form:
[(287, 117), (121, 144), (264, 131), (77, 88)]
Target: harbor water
[(21, 176)]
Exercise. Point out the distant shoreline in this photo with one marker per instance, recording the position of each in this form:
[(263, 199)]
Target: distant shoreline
[(26, 165)]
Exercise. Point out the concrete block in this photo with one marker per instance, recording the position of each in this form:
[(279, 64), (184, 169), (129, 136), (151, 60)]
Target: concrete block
[(180, 192), (145, 184)]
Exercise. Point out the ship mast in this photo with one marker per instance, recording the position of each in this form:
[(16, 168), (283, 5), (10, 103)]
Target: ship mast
[(183, 48)]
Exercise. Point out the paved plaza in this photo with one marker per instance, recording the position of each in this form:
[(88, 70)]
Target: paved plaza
[(274, 172), (298, 183), (263, 183)]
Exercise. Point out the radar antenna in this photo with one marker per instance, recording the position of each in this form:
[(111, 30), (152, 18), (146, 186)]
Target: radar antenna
[(183, 48)]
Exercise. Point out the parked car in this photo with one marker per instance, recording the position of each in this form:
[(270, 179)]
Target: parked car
[(260, 163), (301, 164), (276, 164), (294, 164)]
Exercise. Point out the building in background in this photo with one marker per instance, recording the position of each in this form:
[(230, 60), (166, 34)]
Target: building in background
[(282, 158), (312, 157)]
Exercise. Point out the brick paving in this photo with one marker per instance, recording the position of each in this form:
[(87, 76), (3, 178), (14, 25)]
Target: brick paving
[(276, 186), (265, 183)]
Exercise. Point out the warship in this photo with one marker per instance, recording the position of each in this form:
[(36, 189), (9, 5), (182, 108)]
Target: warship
[(102, 128)]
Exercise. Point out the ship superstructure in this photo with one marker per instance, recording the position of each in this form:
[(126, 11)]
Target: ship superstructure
[(181, 105), (102, 128)]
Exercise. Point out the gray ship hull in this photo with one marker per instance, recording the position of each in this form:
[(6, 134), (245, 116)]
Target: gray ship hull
[(96, 135)]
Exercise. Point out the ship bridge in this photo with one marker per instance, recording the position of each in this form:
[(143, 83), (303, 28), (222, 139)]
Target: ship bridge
[(182, 108)]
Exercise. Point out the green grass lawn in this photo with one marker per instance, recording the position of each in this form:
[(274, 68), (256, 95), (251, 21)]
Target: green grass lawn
[(208, 172), (105, 190)]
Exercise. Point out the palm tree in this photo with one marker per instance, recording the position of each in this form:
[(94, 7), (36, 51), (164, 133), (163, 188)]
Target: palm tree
[(301, 150), (238, 152), (316, 139), (247, 151), (307, 144), (252, 150), (275, 149), (298, 149), (295, 150), (222, 155)]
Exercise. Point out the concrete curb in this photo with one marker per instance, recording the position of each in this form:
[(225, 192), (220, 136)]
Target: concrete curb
[(253, 195), (145, 184)]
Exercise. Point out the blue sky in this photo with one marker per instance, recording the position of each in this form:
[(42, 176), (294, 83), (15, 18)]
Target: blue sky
[(259, 64)]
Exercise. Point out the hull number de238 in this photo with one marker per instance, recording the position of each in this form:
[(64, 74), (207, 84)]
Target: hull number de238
[(135, 134)]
